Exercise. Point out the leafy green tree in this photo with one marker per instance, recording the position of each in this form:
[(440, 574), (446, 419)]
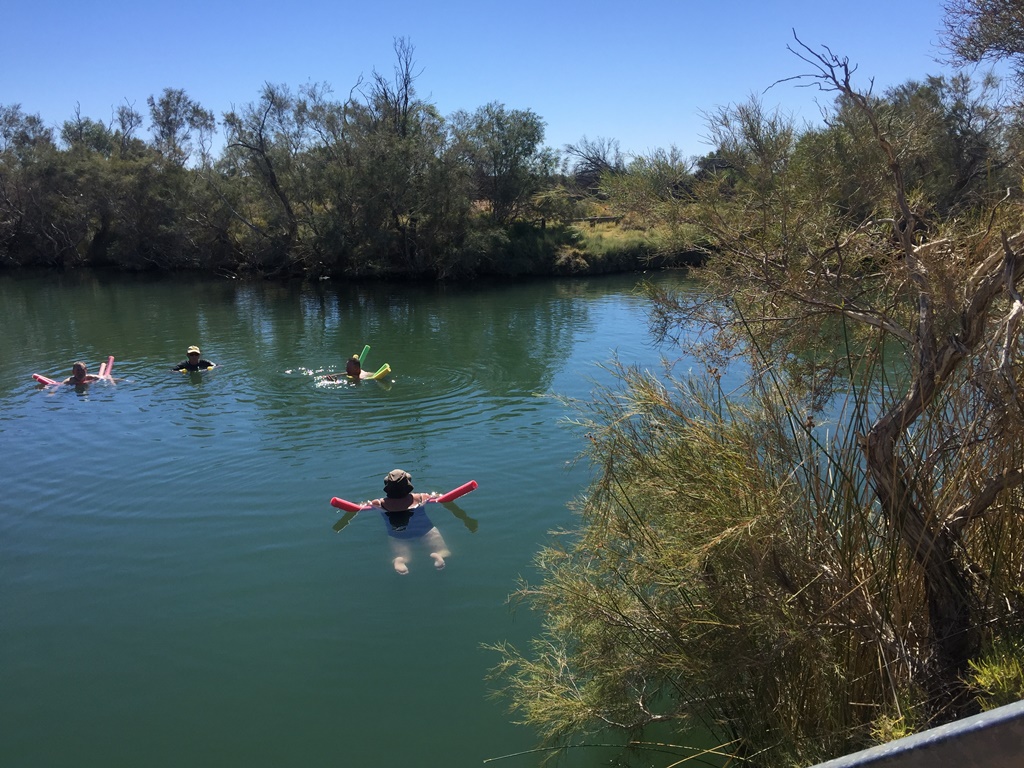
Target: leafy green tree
[(326, 201), (397, 145), (941, 301), (953, 145), (128, 121), (395, 190), (651, 188), (149, 203), (91, 147), (986, 30), (179, 125), (81, 132), (959, 156), (103, 198), (264, 140), (378, 183), (795, 589), (505, 149), (35, 192)]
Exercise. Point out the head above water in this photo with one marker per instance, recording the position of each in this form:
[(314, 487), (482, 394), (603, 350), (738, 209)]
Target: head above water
[(397, 483), (78, 370), (193, 350)]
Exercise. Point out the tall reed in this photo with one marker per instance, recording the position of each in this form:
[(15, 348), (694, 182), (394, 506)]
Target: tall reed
[(733, 572)]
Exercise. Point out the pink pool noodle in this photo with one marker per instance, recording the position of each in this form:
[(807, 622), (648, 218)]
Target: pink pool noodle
[(452, 495), (462, 490), (348, 506), (110, 366), (43, 380)]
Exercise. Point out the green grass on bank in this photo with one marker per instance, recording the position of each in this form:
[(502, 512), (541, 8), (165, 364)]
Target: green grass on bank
[(585, 248), (610, 245)]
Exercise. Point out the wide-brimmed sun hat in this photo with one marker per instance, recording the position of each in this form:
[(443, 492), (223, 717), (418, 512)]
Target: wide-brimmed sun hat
[(397, 483)]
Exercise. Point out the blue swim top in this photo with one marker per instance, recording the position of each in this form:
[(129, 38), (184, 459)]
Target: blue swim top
[(409, 523)]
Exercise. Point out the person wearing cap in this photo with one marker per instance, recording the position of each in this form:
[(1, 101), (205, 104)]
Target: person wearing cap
[(193, 361), (80, 375), (405, 518)]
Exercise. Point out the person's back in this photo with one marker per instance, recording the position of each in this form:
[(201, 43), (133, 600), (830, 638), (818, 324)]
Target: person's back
[(405, 518), (410, 522)]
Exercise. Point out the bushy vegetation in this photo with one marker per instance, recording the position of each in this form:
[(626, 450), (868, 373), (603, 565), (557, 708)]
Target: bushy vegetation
[(378, 184), (375, 184), (832, 556)]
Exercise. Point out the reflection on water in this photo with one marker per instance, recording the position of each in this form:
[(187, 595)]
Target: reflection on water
[(172, 584)]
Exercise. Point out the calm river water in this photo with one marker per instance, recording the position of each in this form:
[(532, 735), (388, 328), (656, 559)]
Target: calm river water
[(172, 591)]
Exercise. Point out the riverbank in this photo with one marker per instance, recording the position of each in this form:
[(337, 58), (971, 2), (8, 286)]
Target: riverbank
[(524, 249)]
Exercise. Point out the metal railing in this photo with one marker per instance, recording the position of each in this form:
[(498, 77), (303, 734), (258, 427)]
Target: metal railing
[(992, 739)]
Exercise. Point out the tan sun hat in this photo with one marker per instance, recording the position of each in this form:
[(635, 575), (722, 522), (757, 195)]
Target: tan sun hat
[(397, 483)]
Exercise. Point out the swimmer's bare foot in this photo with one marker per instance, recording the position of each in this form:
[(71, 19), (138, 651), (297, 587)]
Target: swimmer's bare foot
[(401, 567), (438, 560)]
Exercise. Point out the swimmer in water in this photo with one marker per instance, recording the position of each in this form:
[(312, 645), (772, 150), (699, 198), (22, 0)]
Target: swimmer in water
[(80, 375), (405, 518)]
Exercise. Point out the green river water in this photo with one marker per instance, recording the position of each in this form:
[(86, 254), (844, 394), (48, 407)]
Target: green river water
[(172, 591)]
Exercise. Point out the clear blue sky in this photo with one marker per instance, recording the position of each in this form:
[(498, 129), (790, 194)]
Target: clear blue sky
[(641, 72)]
